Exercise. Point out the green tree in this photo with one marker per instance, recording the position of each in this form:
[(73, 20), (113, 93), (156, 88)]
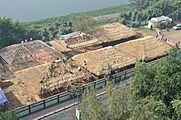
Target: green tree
[(91, 108), (160, 81), (12, 32), (119, 103), (177, 106), (149, 109), (82, 22), (8, 116)]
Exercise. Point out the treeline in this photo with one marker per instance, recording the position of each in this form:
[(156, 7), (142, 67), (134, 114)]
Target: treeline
[(144, 10), (154, 94), (134, 14), (12, 32)]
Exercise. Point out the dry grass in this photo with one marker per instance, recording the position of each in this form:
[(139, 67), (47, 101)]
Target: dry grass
[(97, 61)]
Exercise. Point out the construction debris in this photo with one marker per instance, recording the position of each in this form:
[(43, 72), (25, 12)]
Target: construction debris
[(24, 55)]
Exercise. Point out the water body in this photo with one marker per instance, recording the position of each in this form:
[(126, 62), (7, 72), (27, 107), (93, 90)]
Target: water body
[(31, 10)]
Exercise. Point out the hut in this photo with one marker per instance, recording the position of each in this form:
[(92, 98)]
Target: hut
[(158, 21)]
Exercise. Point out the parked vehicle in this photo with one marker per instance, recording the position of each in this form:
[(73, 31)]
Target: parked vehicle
[(177, 27)]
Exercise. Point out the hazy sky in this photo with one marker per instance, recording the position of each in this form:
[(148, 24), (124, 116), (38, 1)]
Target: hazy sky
[(28, 10)]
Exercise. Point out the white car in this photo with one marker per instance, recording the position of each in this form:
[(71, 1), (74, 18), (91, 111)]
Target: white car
[(177, 27)]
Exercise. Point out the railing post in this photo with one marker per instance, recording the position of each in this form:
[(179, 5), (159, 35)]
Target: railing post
[(120, 78), (58, 98), (125, 74), (83, 89), (29, 108), (95, 85), (44, 104)]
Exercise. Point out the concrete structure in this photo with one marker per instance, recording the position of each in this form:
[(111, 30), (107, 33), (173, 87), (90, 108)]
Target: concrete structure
[(156, 22)]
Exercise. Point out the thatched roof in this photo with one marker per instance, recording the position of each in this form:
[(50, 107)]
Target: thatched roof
[(122, 55), (105, 33), (49, 77), (117, 31), (98, 61), (146, 48)]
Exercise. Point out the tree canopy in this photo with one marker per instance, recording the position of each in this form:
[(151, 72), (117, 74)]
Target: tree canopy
[(160, 81)]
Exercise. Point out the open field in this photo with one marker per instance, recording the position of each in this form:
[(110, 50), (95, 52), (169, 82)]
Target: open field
[(173, 37)]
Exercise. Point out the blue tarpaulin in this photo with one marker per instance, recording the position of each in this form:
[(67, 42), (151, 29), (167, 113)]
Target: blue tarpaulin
[(70, 35), (3, 98)]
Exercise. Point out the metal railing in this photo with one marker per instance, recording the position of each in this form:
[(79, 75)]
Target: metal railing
[(66, 96)]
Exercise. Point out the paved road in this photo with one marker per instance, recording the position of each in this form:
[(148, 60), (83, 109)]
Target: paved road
[(67, 114)]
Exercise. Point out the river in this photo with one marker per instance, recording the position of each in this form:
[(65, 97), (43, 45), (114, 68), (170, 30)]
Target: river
[(31, 10)]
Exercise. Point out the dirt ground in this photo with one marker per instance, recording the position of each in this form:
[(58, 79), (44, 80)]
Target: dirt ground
[(173, 36)]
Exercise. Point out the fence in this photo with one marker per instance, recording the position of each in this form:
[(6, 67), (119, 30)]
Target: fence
[(66, 96)]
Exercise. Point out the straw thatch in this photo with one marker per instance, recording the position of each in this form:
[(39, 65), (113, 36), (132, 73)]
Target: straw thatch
[(122, 55), (117, 31), (59, 45), (146, 48), (49, 77), (103, 34), (98, 61)]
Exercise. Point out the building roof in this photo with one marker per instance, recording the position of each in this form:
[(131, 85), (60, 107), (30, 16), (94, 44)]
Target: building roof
[(161, 18), (146, 48), (3, 98), (66, 36), (98, 61)]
